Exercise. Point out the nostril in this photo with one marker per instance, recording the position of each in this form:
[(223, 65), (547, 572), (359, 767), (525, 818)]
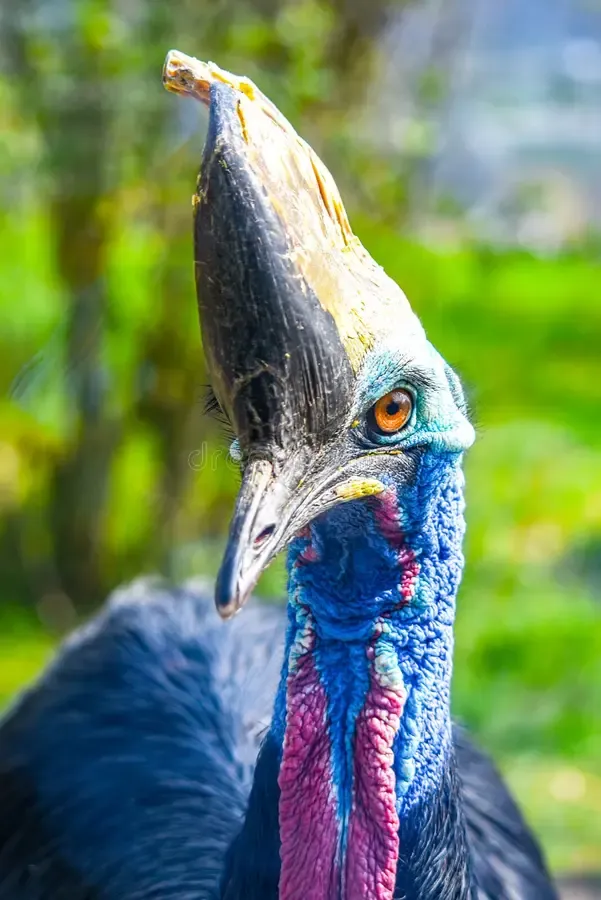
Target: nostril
[(263, 535)]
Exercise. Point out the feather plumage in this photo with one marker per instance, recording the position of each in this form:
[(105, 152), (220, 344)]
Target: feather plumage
[(125, 772)]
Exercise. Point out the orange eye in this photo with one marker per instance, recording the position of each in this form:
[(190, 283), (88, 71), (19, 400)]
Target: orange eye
[(392, 411)]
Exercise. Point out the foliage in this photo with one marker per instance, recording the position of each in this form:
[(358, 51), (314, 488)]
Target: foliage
[(107, 466)]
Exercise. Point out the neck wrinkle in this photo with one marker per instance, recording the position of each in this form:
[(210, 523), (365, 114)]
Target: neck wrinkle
[(393, 733), (307, 809)]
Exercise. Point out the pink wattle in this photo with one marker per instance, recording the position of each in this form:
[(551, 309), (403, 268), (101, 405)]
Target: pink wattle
[(373, 842), (307, 810), (387, 518), (318, 861)]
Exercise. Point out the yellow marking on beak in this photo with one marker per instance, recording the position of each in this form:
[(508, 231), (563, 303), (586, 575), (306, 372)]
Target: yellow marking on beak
[(357, 488), (240, 112)]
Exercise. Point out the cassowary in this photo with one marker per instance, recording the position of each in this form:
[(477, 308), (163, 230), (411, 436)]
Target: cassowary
[(167, 755)]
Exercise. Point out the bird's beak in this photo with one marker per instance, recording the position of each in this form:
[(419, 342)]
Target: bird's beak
[(271, 509)]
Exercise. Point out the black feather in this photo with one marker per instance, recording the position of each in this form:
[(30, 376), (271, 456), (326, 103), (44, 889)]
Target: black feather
[(124, 774), (213, 408)]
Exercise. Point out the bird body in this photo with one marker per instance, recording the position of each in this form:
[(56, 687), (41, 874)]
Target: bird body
[(129, 771), (133, 770)]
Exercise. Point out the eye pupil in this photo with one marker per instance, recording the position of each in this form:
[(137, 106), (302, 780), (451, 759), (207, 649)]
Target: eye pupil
[(392, 411)]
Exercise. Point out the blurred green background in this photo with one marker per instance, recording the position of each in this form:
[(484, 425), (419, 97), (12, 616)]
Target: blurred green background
[(461, 135)]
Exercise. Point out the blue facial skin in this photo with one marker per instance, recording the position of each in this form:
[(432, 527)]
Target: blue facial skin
[(349, 588), (440, 414)]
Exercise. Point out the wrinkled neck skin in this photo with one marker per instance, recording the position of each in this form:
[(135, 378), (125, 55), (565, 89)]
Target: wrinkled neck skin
[(361, 728), (363, 715)]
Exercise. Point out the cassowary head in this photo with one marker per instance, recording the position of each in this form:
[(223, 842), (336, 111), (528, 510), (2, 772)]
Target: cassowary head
[(314, 354)]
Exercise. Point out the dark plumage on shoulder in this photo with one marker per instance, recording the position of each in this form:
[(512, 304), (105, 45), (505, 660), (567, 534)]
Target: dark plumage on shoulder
[(134, 753), (506, 860)]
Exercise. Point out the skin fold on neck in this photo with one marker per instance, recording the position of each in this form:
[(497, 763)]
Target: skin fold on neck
[(363, 712)]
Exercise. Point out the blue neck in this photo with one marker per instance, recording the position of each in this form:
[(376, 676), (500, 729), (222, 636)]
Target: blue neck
[(372, 592)]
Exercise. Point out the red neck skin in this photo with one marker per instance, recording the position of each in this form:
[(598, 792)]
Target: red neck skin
[(327, 854)]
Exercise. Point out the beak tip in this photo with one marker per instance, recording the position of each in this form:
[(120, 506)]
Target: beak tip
[(229, 600), (227, 612)]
